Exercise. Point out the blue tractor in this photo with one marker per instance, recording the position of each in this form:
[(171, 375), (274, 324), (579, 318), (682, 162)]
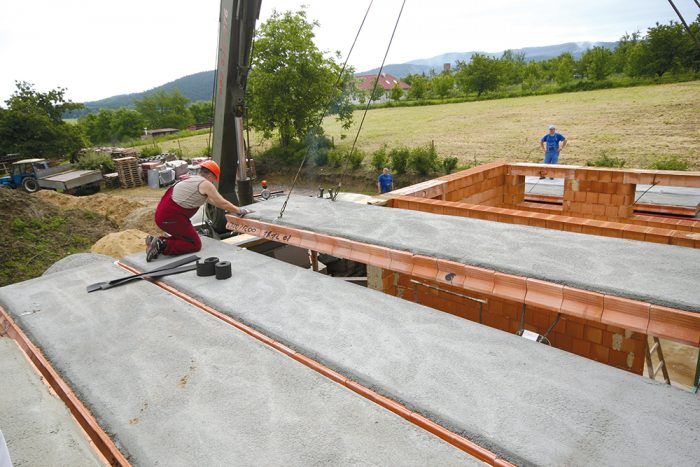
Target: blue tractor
[(23, 175)]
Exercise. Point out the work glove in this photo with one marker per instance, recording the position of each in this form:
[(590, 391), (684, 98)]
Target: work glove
[(244, 212)]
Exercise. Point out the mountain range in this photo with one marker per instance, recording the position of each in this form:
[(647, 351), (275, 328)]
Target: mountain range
[(199, 86)]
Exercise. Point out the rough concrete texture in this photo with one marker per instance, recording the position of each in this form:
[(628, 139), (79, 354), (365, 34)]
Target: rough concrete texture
[(176, 386), (74, 261), (527, 402), (38, 428), (662, 274)]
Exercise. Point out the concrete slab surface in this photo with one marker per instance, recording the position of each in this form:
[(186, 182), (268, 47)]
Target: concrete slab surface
[(525, 401), (667, 195), (666, 275), (175, 386), (37, 426)]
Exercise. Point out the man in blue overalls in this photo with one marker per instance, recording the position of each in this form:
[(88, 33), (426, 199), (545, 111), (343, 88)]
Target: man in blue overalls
[(385, 182), (550, 145)]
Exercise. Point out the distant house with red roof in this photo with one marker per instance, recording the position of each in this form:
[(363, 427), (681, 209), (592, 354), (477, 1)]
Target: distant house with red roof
[(365, 83)]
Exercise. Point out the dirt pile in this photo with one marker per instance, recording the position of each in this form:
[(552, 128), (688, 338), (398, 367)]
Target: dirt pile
[(142, 219), (126, 213), (35, 234), (120, 244)]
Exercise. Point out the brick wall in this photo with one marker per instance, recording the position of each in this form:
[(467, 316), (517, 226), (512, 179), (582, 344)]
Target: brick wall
[(607, 344), (643, 228), (598, 200)]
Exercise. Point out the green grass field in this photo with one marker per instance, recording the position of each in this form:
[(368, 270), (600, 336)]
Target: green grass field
[(637, 124)]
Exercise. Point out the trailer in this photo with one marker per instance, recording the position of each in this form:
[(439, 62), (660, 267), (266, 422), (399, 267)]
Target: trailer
[(34, 174)]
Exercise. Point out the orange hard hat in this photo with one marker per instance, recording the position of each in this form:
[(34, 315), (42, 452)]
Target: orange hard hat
[(212, 167)]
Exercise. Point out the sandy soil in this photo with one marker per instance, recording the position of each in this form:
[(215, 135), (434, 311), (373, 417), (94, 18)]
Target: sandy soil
[(120, 244)]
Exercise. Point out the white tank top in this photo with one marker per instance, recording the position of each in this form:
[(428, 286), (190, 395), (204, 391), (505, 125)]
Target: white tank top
[(186, 192)]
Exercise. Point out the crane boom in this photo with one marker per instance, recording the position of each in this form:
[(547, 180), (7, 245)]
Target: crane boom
[(236, 29)]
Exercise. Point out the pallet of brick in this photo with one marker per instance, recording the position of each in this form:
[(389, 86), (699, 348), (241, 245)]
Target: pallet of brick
[(129, 173)]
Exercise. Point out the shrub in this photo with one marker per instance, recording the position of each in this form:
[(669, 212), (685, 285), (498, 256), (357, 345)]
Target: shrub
[(380, 158), (669, 163), (449, 164), (96, 161), (205, 152), (335, 158), (399, 159), (150, 151), (355, 159), (291, 154), (320, 157), (604, 160), (423, 159)]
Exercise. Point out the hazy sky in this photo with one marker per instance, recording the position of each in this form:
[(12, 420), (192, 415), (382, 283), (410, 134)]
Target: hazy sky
[(100, 48)]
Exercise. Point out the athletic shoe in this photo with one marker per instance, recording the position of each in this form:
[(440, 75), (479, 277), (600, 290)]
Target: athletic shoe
[(155, 248)]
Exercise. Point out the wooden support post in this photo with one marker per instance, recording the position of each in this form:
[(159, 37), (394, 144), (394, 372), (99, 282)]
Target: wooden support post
[(314, 260)]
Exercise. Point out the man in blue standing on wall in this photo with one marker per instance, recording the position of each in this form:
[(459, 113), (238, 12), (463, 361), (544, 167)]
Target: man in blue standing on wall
[(550, 145), (385, 182)]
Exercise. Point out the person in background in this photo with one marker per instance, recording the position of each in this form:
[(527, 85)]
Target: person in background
[(385, 182), (550, 145), (181, 202)]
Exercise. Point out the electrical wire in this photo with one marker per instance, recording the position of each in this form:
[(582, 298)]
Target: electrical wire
[(369, 100), (326, 107)]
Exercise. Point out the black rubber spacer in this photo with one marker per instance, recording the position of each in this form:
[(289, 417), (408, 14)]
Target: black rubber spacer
[(223, 270), (206, 267)]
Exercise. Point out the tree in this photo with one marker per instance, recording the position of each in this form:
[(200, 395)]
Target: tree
[(480, 75), (513, 66), (32, 124), (202, 112), (419, 87), (532, 76), (291, 81), (126, 124), (669, 48), (164, 110), (396, 92), (377, 93), (598, 63), (565, 69), (622, 51), (112, 126), (443, 84)]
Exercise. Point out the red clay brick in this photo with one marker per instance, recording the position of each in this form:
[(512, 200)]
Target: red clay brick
[(574, 329), (510, 287), (581, 347), (478, 279), (625, 313), (599, 353), (677, 325), (593, 334), (544, 294), (581, 303)]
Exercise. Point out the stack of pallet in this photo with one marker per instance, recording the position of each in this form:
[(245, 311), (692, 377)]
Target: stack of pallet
[(128, 170), (111, 180)]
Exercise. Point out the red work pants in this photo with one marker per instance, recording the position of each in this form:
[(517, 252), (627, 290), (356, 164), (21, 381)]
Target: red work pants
[(175, 220)]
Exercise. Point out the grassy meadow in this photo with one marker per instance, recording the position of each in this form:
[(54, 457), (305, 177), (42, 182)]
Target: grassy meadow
[(638, 124)]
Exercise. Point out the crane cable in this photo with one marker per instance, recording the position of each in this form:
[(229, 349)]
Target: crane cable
[(326, 107), (369, 100), (685, 25)]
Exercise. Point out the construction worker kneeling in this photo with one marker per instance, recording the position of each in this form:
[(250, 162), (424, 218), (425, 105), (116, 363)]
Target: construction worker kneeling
[(179, 203)]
